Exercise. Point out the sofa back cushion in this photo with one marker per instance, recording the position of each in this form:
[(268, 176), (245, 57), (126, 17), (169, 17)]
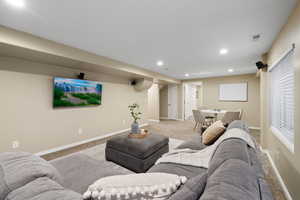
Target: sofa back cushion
[(18, 169), (234, 179), (228, 149), (192, 189), (43, 189)]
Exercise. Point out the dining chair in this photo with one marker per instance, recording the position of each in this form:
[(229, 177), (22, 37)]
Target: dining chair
[(230, 116), (199, 119)]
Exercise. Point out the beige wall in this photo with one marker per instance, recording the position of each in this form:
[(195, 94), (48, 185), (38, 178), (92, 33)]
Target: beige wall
[(200, 96), (163, 102), (180, 101), (153, 102), (251, 108), (27, 114), (288, 163)]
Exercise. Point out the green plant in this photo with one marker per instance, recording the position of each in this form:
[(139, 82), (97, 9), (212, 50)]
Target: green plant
[(134, 112)]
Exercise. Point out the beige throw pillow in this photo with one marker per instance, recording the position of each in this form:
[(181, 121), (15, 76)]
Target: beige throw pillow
[(213, 132)]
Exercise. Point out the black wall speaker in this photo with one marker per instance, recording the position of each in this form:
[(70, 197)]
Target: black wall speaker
[(261, 65), (81, 76), (133, 82)]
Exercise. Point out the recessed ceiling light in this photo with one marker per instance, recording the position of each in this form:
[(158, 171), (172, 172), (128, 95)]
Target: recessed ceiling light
[(223, 51), (230, 70), (159, 63), (186, 75), (16, 3)]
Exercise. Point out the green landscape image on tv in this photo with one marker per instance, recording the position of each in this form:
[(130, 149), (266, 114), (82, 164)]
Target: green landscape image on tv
[(75, 92)]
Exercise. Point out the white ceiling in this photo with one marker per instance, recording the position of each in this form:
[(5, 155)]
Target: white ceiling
[(186, 34)]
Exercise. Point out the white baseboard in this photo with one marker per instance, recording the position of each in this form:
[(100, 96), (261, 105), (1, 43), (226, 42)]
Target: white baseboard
[(56, 149), (154, 120), (279, 178), (254, 128), (166, 118)]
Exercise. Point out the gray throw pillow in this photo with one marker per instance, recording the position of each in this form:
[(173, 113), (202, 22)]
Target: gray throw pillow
[(192, 189), (194, 143)]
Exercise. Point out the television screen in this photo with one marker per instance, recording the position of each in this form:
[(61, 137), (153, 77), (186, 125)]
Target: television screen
[(75, 92)]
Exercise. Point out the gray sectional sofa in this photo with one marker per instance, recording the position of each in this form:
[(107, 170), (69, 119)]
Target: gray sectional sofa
[(235, 173)]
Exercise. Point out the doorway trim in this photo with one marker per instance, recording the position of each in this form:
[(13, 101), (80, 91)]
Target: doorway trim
[(184, 93)]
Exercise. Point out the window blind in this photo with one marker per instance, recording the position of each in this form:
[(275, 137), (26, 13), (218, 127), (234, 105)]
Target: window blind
[(282, 97)]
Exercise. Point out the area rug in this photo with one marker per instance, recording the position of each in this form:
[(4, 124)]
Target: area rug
[(98, 153)]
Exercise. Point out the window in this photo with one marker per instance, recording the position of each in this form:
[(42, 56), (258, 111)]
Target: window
[(282, 99)]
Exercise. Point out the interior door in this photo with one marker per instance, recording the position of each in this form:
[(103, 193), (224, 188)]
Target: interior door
[(190, 100), (172, 102)]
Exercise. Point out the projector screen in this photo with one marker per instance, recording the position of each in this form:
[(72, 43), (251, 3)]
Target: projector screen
[(233, 92)]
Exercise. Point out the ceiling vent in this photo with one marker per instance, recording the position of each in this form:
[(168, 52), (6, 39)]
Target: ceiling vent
[(256, 37)]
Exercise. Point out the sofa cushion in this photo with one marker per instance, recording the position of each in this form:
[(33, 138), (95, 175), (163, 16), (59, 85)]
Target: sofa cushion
[(265, 191), (43, 189), (79, 171), (19, 168), (3, 187), (255, 162), (213, 132), (192, 189), (194, 143), (233, 180), (228, 149), (139, 148)]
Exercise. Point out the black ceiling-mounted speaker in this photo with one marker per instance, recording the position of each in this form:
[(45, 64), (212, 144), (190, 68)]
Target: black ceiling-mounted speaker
[(133, 82), (81, 76), (261, 65)]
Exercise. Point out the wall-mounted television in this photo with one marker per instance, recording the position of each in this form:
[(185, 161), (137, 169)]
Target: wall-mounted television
[(75, 92)]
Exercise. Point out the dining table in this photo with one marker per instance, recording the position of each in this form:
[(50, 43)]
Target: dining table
[(218, 113)]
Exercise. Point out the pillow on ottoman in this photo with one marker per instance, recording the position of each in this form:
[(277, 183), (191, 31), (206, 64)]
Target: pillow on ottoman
[(135, 186), (213, 132), (192, 189)]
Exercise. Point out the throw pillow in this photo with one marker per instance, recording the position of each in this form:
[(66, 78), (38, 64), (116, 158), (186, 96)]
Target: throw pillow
[(135, 186), (192, 189), (213, 132)]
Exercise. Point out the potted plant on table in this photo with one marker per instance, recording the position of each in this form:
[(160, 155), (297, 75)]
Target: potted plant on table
[(135, 114)]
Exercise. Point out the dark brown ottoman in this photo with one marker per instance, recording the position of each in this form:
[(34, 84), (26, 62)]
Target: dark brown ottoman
[(137, 155)]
